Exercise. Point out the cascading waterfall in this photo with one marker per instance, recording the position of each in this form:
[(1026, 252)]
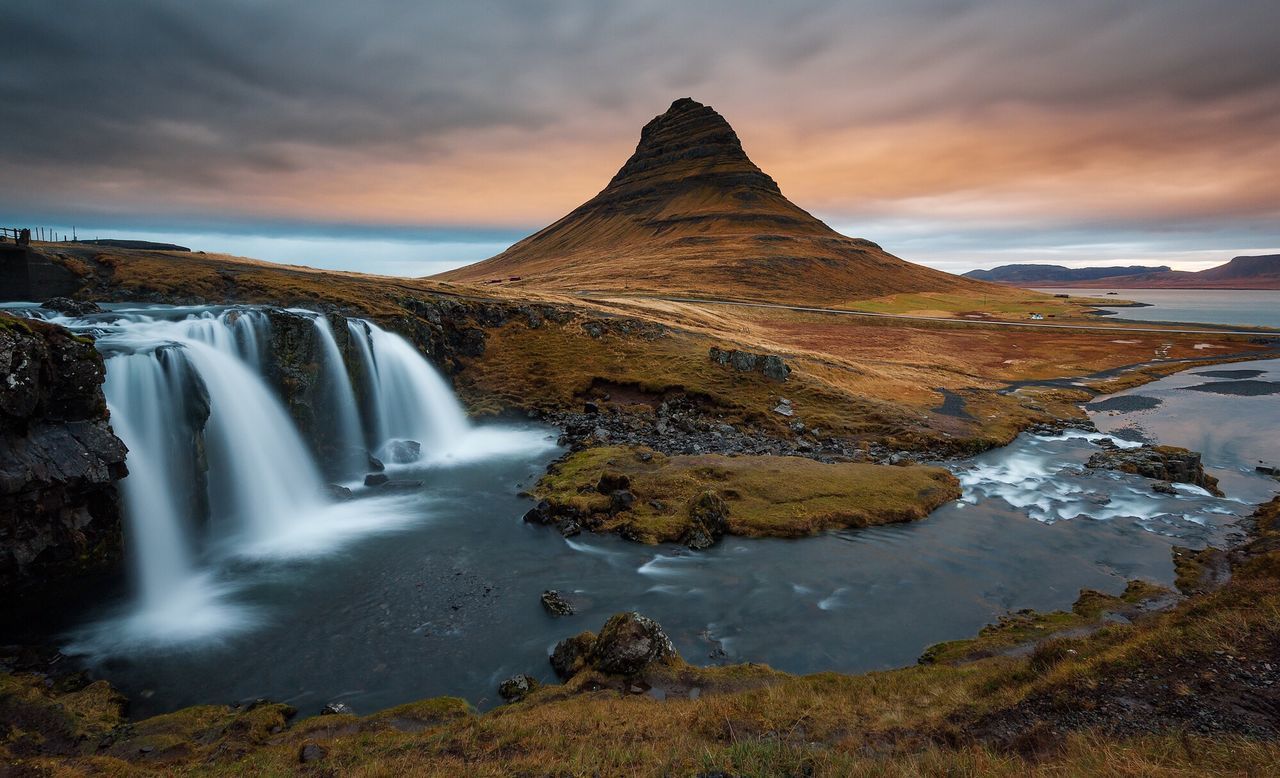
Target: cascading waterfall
[(139, 390), (341, 401), (413, 402), (218, 469), (261, 474)]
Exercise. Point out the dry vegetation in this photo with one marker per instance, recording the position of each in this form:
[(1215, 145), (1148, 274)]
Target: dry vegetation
[(866, 378), (982, 709), (765, 495)]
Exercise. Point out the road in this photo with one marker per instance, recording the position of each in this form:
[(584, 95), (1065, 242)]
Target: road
[(982, 323)]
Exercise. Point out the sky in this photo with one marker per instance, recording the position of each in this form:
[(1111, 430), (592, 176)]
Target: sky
[(407, 137)]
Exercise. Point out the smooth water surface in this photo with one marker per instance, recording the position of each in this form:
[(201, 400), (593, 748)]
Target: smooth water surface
[(1247, 308)]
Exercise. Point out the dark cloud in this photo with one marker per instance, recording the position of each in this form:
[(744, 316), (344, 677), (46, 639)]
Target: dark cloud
[(159, 100)]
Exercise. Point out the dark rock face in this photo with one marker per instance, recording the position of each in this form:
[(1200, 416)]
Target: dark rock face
[(1163, 463), (572, 654), (517, 687), (769, 365), (710, 516), (69, 307), (555, 604), (628, 643), (60, 515)]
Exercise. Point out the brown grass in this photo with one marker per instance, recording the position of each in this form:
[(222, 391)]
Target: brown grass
[(766, 496)]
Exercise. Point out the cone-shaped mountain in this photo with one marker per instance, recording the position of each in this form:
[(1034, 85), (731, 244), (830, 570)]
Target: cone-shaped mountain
[(691, 214)]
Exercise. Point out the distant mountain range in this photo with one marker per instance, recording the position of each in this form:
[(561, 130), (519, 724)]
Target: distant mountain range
[(690, 214), (1260, 272), (148, 245)]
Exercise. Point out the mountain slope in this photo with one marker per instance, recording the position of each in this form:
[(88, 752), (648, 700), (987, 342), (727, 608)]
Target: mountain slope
[(1046, 274), (690, 214), (1260, 272)]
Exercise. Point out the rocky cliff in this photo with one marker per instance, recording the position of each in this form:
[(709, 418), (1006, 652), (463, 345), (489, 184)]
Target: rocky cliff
[(60, 515)]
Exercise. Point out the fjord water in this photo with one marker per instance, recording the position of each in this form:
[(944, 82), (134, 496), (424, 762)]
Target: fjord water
[(388, 598), (1230, 307)]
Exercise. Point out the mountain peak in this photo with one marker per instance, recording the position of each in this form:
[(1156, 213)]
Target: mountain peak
[(693, 143), (690, 213)]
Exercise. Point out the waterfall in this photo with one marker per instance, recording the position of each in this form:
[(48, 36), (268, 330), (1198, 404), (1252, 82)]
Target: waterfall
[(341, 401), (412, 401), (261, 474), (219, 469), (139, 393)]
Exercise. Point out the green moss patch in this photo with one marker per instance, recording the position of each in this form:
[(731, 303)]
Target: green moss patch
[(765, 495)]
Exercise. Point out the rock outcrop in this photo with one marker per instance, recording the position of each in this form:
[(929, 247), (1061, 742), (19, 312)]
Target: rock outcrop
[(769, 365), (60, 516), (627, 644), (1163, 463)]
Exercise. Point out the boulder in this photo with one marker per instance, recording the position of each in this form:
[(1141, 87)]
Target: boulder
[(1163, 463), (628, 643), (375, 464), (540, 514), (709, 521), (337, 709), (555, 604), (572, 654), (376, 479), (771, 366), (338, 492), (402, 452), (401, 485), (611, 481), (311, 751), (621, 501), (517, 687)]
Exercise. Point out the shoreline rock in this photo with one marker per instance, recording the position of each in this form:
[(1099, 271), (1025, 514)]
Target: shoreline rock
[(60, 512)]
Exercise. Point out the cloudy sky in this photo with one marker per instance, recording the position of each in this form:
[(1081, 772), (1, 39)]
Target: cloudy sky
[(410, 136)]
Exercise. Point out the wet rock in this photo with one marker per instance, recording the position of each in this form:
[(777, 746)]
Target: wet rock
[(403, 452), (555, 604), (1163, 463), (540, 514), (572, 654), (311, 751), (376, 465), (60, 517), (628, 643), (517, 687), (68, 307), (709, 521), (401, 485), (376, 479), (337, 709), (338, 491), (1163, 487)]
